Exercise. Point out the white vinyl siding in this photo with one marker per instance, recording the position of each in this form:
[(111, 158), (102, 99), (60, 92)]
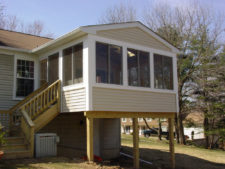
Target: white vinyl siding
[(105, 99), (74, 100), (134, 35)]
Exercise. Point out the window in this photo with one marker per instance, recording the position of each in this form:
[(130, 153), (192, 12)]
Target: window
[(43, 71), (73, 65), (124, 119), (108, 63), (53, 67), (24, 78), (163, 71), (138, 68)]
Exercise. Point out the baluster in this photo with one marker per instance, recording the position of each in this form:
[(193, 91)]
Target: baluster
[(30, 107), (33, 113), (47, 97), (50, 92), (53, 98)]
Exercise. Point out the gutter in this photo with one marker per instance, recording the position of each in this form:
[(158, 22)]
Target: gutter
[(15, 49)]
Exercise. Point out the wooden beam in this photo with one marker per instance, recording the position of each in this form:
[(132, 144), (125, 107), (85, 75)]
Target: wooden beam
[(171, 138), (115, 114), (136, 143), (90, 155)]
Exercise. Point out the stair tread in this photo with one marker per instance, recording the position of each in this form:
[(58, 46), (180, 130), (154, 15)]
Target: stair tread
[(14, 137), (14, 144), (17, 151)]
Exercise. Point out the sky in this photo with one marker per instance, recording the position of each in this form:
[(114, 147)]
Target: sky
[(62, 16)]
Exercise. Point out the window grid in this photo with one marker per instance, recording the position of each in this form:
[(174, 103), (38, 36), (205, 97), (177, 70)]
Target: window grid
[(24, 77)]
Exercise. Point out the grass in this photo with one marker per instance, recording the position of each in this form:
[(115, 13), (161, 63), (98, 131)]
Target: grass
[(187, 157), (157, 152)]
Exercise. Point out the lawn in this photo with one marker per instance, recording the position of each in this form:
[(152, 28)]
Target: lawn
[(152, 150), (187, 157)]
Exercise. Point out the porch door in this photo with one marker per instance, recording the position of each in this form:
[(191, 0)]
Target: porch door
[(53, 68), (43, 71)]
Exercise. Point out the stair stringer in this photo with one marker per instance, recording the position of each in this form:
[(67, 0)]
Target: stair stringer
[(47, 116)]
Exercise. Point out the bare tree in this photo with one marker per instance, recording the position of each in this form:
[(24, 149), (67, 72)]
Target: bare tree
[(35, 28), (13, 23), (119, 13), (187, 29)]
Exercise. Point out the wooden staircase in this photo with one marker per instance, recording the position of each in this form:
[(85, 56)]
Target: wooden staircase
[(28, 117)]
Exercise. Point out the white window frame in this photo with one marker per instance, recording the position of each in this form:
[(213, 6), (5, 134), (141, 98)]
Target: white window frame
[(138, 65), (108, 68), (27, 58), (173, 73), (125, 46), (73, 64)]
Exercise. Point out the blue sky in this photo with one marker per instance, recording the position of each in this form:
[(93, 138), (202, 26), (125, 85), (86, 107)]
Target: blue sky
[(62, 16)]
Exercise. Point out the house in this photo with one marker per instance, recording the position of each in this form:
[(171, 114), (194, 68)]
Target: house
[(127, 127), (96, 75)]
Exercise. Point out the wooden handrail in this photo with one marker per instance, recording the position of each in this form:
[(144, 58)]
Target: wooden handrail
[(27, 118), (42, 100), (31, 95)]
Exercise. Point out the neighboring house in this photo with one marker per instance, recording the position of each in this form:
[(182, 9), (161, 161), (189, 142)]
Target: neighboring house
[(98, 74), (127, 128), (196, 119)]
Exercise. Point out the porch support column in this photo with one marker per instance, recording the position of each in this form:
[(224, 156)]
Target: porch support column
[(135, 143), (171, 138), (90, 156)]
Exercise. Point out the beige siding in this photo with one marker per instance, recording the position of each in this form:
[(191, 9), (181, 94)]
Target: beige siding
[(105, 99), (74, 100), (134, 35), (6, 81)]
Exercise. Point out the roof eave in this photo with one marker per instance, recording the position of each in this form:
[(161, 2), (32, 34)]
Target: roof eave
[(51, 43), (15, 49)]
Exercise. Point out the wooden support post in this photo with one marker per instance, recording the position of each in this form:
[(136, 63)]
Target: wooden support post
[(136, 143), (59, 96), (90, 155), (171, 138)]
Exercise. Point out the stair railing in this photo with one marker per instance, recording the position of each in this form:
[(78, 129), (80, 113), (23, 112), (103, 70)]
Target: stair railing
[(42, 101), (14, 111)]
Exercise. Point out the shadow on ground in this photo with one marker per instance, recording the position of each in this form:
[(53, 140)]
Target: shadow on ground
[(37, 163), (161, 159)]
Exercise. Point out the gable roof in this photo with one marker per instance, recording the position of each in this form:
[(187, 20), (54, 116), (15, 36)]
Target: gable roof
[(37, 44), (20, 40), (94, 29)]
